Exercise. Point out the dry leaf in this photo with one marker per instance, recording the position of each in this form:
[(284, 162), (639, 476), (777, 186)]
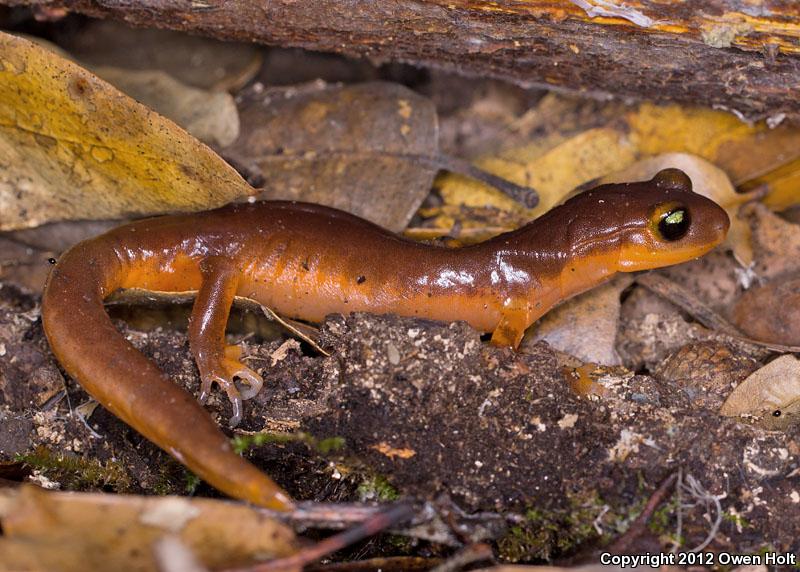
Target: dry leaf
[(771, 313), (392, 452), (88, 531), (554, 167), (776, 242), (586, 326), (24, 265), (72, 146), (211, 116), (707, 180), (771, 395), (342, 147), (200, 62), (751, 155)]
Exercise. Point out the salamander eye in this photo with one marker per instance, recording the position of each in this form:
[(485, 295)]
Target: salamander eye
[(674, 223)]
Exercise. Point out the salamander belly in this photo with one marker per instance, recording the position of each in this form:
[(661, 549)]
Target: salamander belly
[(312, 296)]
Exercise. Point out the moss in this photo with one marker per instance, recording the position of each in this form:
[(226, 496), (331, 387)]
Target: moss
[(77, 473), (243, 443), (192, 482), (737, 520), (547, 534), (377, 487)]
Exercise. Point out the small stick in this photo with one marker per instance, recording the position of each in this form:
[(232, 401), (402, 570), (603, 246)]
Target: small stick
[(623, 543), (687, 301), (672, 292), (469, 554), (386, 564), (374, 524), (526, 196)]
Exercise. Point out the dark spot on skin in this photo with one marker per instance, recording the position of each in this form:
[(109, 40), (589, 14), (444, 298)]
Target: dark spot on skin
[(304, 264), (776, 413), (187, 170), (361, 279), (430, 294), (80, 86), (45, 141), (572, 269), (51, 260), (346, 301)]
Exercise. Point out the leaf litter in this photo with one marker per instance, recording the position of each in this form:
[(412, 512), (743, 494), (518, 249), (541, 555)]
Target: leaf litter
[(638, 424)]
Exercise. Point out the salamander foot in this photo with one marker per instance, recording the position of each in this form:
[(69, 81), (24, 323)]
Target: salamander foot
[(223, 372)]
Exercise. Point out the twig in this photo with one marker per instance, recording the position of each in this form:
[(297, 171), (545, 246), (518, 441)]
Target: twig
[(678, 295), (672, 292), (295, 328), (473, 553), (526, 196), (679, 516), (387, 564), (623, 543), (374, 524), (325, 515)]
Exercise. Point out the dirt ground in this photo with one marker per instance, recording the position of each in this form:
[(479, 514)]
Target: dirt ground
[(429, 410)]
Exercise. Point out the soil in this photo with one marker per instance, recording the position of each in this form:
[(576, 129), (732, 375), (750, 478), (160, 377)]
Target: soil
[(431, 411)]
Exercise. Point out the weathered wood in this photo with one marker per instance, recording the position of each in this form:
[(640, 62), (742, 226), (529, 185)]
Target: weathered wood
[(742, 55)]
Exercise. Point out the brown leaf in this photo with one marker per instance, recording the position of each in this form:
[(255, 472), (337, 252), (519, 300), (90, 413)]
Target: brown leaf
[(76, 532), (204, 63), (776, 242), (211, 116), (586, 326), (770, 395), (340, 146), (771, 313)]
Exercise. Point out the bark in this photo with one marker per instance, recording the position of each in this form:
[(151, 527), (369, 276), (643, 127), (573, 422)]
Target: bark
[(736, 54)]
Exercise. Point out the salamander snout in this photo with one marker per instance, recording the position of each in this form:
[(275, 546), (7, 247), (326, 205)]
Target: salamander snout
[(672, 224)]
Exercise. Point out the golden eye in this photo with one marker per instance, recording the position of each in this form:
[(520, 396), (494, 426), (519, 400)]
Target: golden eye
[(674, 224), (670, 221)]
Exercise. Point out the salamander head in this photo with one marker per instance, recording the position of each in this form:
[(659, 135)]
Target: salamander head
[(672, 224), (653, 223)]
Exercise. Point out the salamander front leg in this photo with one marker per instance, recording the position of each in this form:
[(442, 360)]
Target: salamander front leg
[(510, 329), (218, 362)]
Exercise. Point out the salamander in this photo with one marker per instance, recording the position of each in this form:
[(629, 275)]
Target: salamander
[(306, 261)]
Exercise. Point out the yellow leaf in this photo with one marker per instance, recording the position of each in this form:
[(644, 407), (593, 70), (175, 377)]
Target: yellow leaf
[(552, 170), (753, 156), (73, 147), (700, 131)]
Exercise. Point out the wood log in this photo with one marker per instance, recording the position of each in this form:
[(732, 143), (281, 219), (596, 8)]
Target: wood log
[(740, 55)]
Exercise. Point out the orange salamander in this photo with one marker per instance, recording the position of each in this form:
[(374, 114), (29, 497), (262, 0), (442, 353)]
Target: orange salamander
[(306, 261)]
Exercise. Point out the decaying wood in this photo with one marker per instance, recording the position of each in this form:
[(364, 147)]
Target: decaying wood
[(735, 54)]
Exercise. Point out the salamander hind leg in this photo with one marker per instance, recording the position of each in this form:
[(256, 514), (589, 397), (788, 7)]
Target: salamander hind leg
[(218, 362)]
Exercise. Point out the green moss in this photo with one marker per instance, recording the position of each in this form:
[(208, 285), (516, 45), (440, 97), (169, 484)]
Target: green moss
[(192, 482), (77, 473), (546, 534), (377, 487), (243, 443), (330, 445), (737, 520)]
